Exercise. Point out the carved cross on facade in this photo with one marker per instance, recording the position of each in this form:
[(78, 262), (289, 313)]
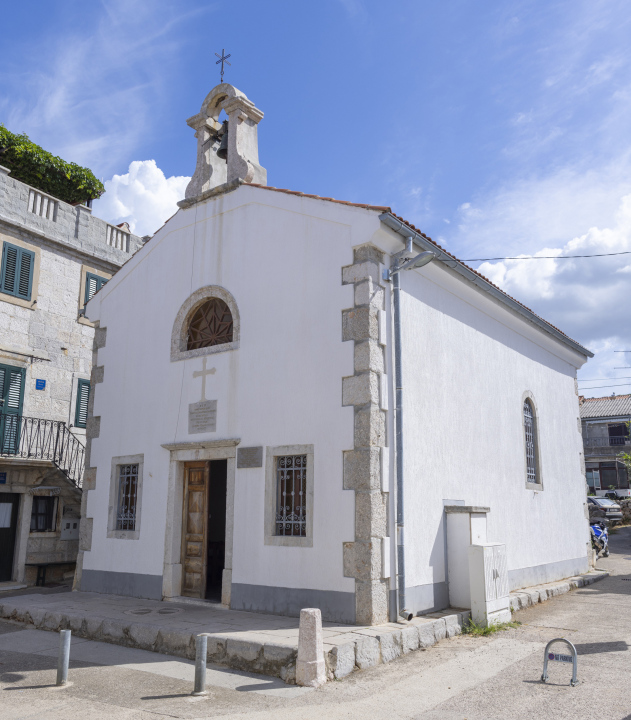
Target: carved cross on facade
[(202, 373), (223, 58)]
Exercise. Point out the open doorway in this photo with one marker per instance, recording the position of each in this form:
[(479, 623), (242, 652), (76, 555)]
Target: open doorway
[(204, 537), (9, 503), (216, 528)]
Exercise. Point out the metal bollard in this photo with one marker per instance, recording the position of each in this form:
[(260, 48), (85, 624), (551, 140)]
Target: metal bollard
[(64, 657), (201, 645)]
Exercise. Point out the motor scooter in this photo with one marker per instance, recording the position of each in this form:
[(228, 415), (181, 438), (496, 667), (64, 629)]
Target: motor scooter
[(600, 537)]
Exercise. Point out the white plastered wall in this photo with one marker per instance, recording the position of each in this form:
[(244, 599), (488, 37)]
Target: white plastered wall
[(281, 258), (467, 365)]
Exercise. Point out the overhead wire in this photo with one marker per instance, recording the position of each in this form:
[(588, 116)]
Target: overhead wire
[(602, 387), (548, 257)]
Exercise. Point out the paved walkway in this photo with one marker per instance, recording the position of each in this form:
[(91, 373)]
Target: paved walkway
[(243, 640), (477, 678)]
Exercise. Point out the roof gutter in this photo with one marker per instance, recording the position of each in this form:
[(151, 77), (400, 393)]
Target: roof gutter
[(406, 231)]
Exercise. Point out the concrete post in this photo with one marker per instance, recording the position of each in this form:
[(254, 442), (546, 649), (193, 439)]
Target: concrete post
[(310, 668)]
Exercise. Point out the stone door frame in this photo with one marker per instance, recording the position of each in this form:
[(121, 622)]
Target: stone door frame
[(182, 453)]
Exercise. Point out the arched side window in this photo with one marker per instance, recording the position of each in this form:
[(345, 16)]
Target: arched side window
[(208, 322), (533, 473)]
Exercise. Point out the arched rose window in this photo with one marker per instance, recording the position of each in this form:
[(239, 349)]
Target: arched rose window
[(211, 324)]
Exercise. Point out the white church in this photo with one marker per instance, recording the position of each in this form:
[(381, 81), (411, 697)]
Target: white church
[(304, 402)]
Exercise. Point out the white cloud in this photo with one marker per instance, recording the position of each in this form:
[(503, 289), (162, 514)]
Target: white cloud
[(143, 197), (587, 298)]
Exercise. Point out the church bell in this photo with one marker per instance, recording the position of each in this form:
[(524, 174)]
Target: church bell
[(223, 147)]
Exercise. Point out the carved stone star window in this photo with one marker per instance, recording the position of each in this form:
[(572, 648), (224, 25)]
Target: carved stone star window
[(211, 324)]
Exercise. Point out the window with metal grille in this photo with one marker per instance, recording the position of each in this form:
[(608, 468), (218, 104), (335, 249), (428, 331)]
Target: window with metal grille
[(43, 514), (291, 495), (531, 442), (211, 324), (127, 497)]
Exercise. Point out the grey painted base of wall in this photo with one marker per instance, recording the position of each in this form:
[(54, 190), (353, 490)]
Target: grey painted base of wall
[(539, 574), (427, 598), (421, 599), (335, 606), (120, 583)]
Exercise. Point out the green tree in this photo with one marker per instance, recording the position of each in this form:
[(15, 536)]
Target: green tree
[(34, 166)]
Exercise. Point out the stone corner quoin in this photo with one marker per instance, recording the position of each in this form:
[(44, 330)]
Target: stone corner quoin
[(362, 464)]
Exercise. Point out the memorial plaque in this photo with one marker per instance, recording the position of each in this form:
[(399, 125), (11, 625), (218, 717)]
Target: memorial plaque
[(250, 457), (202, 417)]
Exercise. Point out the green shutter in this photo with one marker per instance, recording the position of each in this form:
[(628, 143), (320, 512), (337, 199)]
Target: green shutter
[(93, 283), (12, 393), (17, 271), (83, 395)]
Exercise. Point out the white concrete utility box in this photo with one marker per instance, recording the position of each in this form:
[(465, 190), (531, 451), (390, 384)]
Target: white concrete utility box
[(488, 582), (466, 525)]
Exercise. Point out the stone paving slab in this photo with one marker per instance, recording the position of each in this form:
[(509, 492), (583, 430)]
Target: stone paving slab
[(248, 641)]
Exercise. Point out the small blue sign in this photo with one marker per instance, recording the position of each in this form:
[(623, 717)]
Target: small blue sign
[(40, 384), (3, 478)]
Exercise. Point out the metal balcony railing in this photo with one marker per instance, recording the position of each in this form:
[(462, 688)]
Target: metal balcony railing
[(606, 441), (39, 439)]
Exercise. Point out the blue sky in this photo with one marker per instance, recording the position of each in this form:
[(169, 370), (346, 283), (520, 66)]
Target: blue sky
[(499, 128)]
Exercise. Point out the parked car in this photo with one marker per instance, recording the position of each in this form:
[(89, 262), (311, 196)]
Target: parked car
[(619, 494), (605, 507)]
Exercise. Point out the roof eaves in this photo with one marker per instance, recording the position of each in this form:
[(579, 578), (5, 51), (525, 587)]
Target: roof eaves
[(397, 224), (365, 206)]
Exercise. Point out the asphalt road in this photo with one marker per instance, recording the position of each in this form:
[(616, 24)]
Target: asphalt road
[(462, 678)]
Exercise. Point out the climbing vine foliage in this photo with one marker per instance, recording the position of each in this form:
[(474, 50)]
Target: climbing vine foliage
[(32, 165)]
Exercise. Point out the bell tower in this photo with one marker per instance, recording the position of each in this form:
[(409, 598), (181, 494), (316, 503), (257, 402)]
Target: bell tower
[(228, 151)]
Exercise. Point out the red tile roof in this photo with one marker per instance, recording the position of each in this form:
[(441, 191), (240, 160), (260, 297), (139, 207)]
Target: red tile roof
[(379, 208)]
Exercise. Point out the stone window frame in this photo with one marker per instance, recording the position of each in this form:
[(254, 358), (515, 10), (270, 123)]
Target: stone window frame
[(112, 532), (179, 334), (36, 250), (271, 453), (530, 485), (85, 269)]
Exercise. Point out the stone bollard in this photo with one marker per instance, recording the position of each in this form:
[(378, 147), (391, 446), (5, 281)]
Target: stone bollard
[(310, 667)]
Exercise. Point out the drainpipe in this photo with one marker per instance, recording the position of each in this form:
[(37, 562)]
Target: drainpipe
[(394, 275), (398, 380)]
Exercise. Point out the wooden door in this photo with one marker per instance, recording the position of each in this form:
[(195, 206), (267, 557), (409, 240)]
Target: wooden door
[(194, 529), (8, 524)]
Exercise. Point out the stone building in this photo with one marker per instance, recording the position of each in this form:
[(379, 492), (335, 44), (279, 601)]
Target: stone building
[(605, 435), (54, 258), (267, 458)]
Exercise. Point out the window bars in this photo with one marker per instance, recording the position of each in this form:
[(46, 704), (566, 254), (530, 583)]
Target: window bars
[(291, 495), (211, 324), (127, 497), (529, 429)]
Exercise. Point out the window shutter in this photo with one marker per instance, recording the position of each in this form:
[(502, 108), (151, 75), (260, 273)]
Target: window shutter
[(9, 268), (93, 283), (83, 395), (14, 395), (25, 276), (17, 271)]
